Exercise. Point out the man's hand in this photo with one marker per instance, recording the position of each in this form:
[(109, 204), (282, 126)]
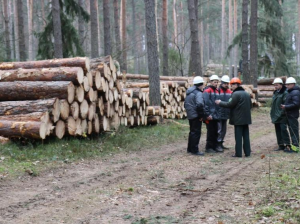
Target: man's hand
[(217, 102), (209, 118), (282, 106)]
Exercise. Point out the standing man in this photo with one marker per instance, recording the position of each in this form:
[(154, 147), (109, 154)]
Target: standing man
[(194, 107), (225, 95), (240, 116), (291, 107), (211, 110), (278, 115)]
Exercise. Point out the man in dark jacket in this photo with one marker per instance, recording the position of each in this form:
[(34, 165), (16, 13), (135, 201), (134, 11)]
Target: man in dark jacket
[(211, 110), (225, 95), (240, 116), (291, 107), (194, 106), (278, 116)]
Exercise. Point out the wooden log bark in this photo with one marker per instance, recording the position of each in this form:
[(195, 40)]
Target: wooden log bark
[(146, 77), (137, 85), (60, 129), (12, 91), (74, 108), (82, 62), (73, 74), (269, 81)]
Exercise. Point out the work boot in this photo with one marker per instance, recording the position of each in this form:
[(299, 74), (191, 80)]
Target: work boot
[(219, 147), (210, 150), (223, 147), (280, 147), (288, 149)]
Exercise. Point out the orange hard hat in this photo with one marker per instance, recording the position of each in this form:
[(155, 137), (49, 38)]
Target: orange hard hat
[(235, 80)]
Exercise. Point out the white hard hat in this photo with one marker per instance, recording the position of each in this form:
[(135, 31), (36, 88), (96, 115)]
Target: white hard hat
[(225, 78), (198, 80), (214, 77), (278, 80), (290, 80)]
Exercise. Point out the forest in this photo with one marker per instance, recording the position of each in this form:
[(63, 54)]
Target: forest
[(259, 38)]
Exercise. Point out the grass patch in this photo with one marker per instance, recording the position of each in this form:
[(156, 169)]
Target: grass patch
[(33, 157)]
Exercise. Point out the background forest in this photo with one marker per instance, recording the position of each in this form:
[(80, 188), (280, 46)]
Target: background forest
[(28, 31)]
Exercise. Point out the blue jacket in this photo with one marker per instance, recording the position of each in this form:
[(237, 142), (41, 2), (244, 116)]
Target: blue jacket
[(292, 102), (210, 95), (193, 103), (225, 95)]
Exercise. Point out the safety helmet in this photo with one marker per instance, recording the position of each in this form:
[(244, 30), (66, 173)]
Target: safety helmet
[(278, 80), (290, 80), (214, 77), (225, 78), (198, 80), (235, 80)]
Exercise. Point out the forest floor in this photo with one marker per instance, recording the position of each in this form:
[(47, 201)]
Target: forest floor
[(163, 185)]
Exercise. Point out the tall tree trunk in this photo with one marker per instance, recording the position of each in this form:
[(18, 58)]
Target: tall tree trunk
[(135, 51), (195, 63), (230, 35), (117, 31), (124, 39), (43, 13), (21, 39), (153, 63), (7, 33), (11, 28), (81, 23), (88, 30), (106, 21), (235, 54), (94, 29), (245, 43), (201, 39), (298, 69), (175, 24), (182, 38), (253, 44), (165, 38), (30, 29), (16, 31), (223, 35)]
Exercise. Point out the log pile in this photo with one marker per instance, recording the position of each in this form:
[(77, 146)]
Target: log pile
[(266, 89)]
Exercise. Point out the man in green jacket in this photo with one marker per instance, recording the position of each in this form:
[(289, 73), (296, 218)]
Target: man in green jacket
[(240, 116), (278, 116)]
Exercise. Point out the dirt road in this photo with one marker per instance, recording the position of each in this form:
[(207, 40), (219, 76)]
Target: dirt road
[(163, 185)]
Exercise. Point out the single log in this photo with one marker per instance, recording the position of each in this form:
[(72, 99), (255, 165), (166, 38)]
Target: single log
[(84, 109), (86, 85), (146, 77), (101, 105), (90, 127), (79, 96), (103, 122), (114, 122), (82, 62), (269, 81), (73, 74), (265, 94), (137, 85), (60, 129), (91, 111), (90, 76), (71, 126), (74, 110), (153, 111), (266, 88), (64, 109), (84, 127), (31, 106), (90, 95), (36, 90), (96, 124), (78, 127)]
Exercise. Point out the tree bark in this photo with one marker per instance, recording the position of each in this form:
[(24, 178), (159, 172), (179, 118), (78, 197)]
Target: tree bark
[(81, 24), (58, 46), (195, 62), (124, 38), (230, 36), (223, 24), (235, 56), (153, 63), (175, 39), (165, 38), (21, 31), (82, 62), (36, 90), (7, 31), (94, 29), (16, 30), (253, 43), (106, 23), (117, 31), (245, 43), (30, 29), (134, 39), (73, 74)]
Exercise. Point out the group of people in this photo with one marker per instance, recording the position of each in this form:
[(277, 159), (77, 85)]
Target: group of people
[(214, 105)]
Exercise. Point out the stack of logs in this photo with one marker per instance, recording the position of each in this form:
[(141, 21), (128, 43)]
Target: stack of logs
[(266, 89)]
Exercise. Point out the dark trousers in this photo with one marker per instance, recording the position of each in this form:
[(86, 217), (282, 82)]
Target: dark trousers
[(212, 134), (282, 134), (242, 140), (293, 125), (194, 135), (222, 128)]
